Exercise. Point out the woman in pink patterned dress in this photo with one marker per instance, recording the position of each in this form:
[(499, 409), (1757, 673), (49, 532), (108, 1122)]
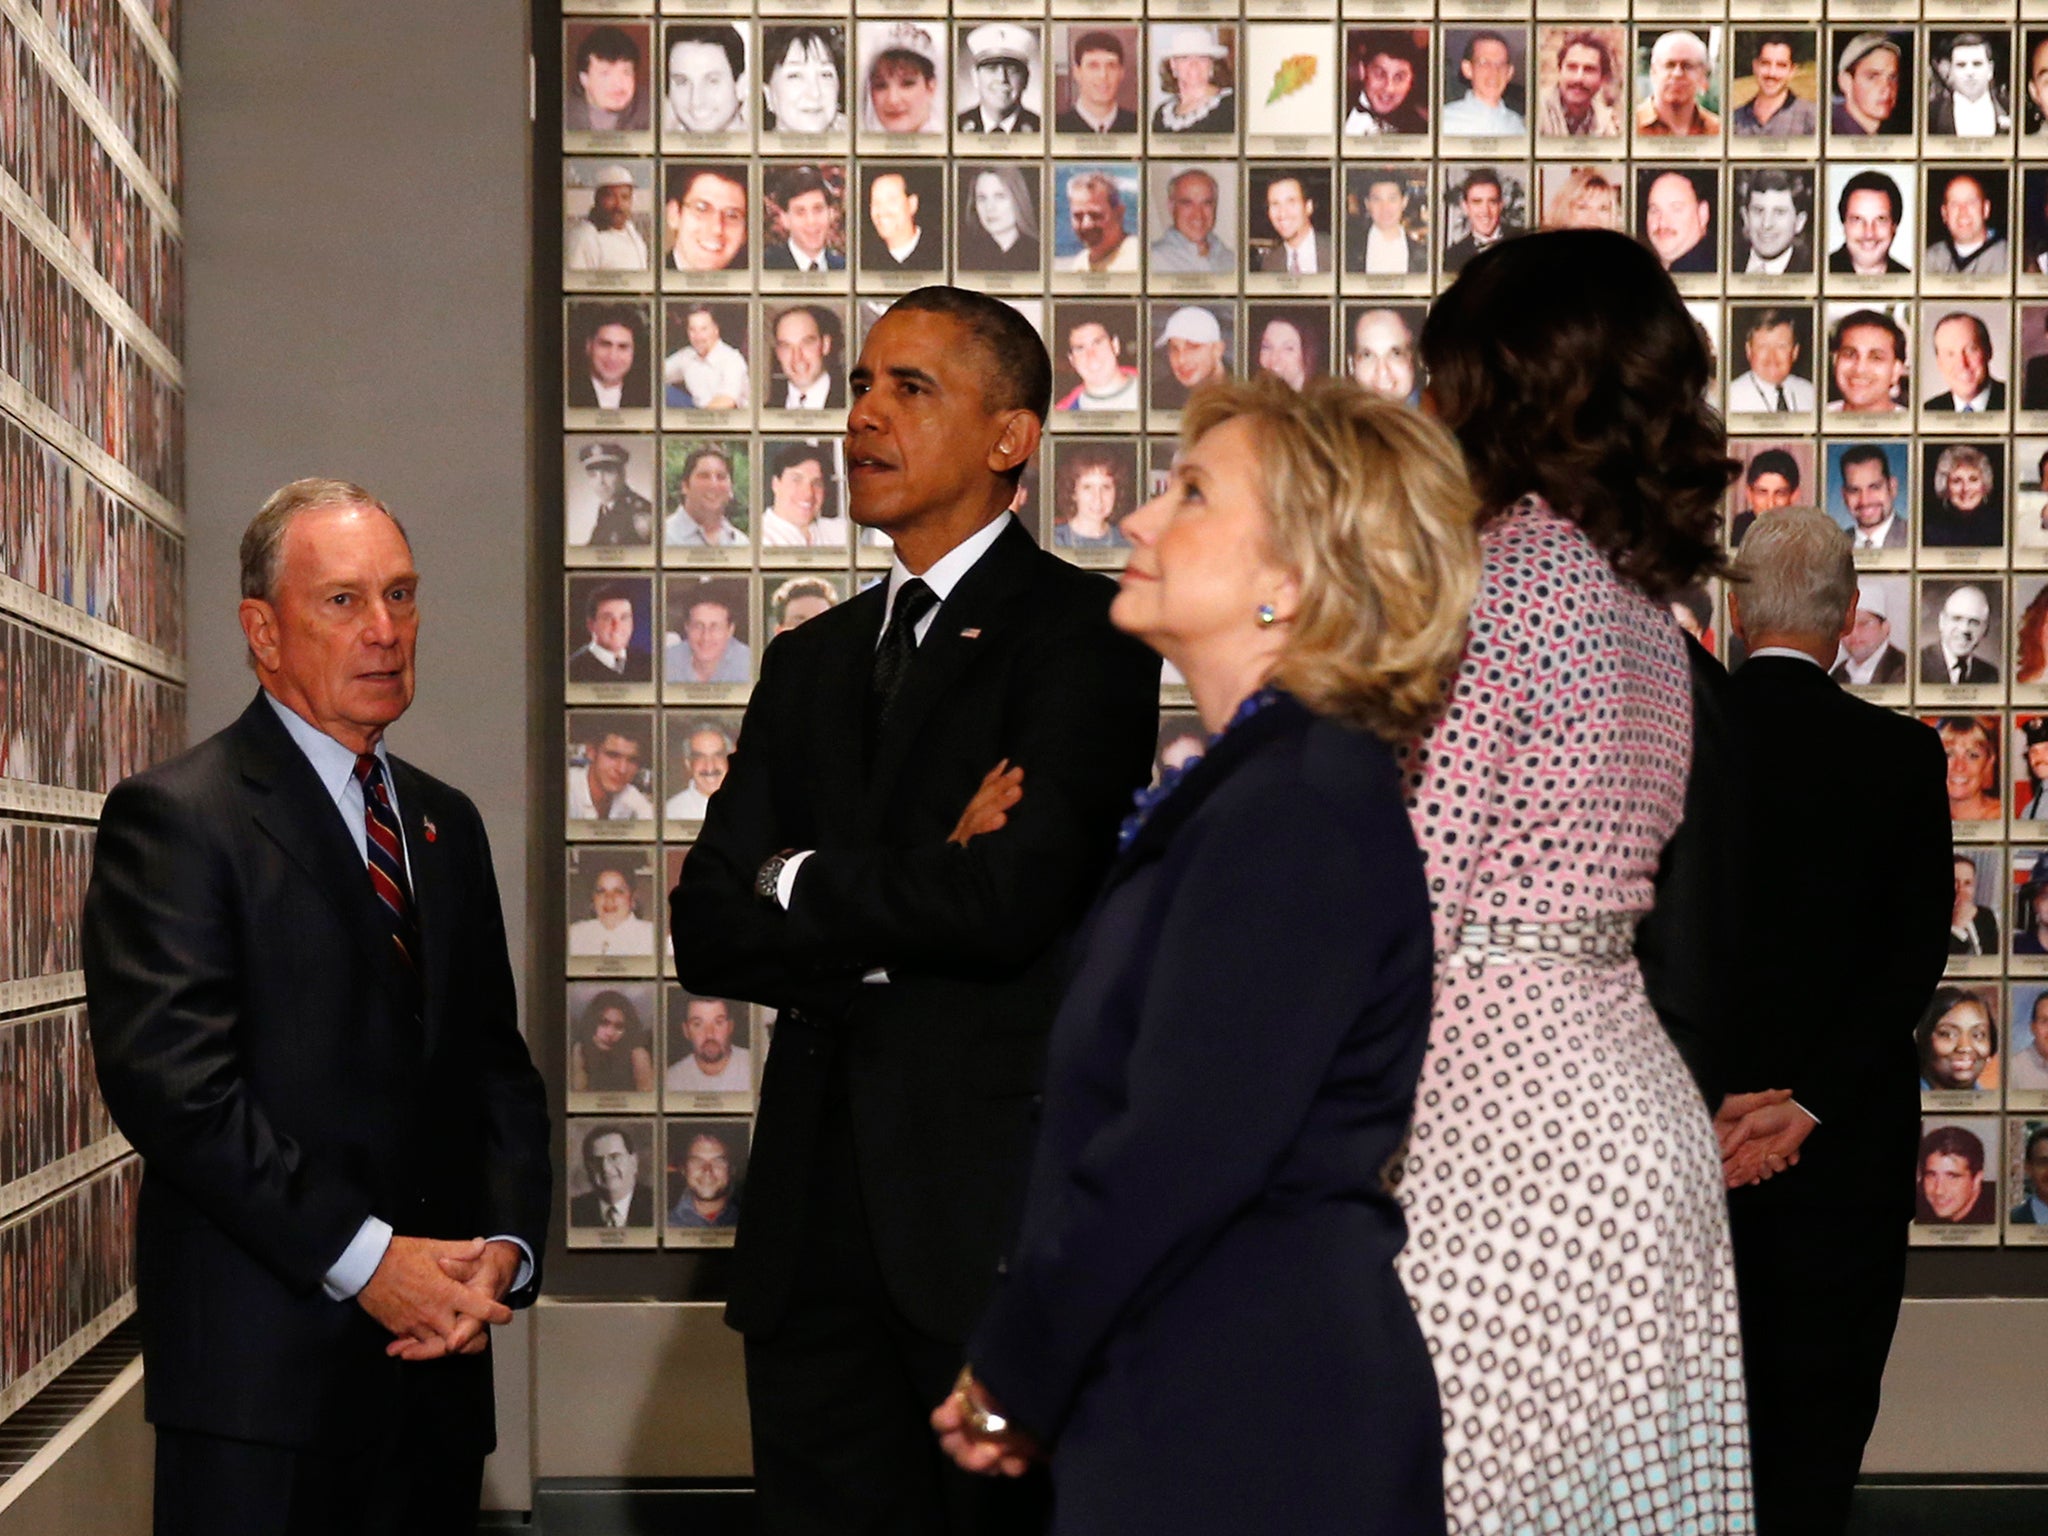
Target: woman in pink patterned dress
[(1568, 1246)]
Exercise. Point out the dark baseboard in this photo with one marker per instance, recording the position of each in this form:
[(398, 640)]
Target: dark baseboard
[(610, 1507), (1950, 1506)]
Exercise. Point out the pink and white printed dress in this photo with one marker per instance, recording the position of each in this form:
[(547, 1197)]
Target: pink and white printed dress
[(1568, 1247)]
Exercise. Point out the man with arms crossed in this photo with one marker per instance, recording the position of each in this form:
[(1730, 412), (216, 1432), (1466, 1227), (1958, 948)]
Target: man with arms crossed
[(303, 1016), (916, 965), (1830, 996)]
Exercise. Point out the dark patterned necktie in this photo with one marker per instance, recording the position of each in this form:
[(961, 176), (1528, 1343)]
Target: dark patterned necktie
[(899, 643), (386, 854)]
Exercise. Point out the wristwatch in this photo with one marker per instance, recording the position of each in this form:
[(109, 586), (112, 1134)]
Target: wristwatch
[(769, 876)]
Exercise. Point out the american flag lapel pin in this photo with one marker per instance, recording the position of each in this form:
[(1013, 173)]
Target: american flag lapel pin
[(970, 634), (427, 826)]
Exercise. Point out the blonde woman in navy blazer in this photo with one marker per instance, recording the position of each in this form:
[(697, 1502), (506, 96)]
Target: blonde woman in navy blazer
[(1199, 1322)]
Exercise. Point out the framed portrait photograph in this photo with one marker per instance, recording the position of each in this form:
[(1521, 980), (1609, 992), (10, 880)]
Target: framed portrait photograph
[(706, 647), (1581, 88), (1962, 633), (2029, 630), (696, 752), (999, 87), (804, 226), (902, 86), (607, 224), (1095, 485), (611, 1047), (609, 622), (1098, 81), (1774, 92), (1387, 74), (1867, 489), (1287, 339), (611, 904), (1969, 92), (1097, 219), (1290, 244), (610, 1171), (1872, 107), (999, 246), (708, 484), (1971, 745), (1482, 205), (2031, 95), (710, 1065), (2026, 1203), (610, 781), (1572, 196), (1773, 473), (1772, 346), (1182, 741), (1192, 344), (607, 508), (805, 344), (1968, 220), (1484, 92), (1871, 662), (1191, 100), (1387, 221), (2032, 220), (2029, 918), (1291, 85), (803, 506), (706, 86), (1772, 230), (706, 378), (1963, 365), (1871, 241), (789, 599), (803, 87), (1975, 945), (1380, 349), (1956, 1193), (1678, 99), (1096, 373), (607, 86), (1678, 218), (1962, 505), (704, 1181), (902, 241), (2026, 1077), (607, 364), (706, 212), (1192, 226), (1870, 355), (2029, 541), (2029, 747)]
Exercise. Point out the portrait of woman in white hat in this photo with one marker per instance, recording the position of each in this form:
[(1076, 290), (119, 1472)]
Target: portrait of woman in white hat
[(1195, 82)]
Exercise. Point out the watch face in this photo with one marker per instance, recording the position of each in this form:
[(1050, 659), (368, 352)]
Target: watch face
[(769, 876)]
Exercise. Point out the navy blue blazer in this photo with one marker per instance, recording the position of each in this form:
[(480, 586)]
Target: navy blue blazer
[(1200, 1314)]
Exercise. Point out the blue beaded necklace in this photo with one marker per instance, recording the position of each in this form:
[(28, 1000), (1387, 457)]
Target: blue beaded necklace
[(1145, 801)]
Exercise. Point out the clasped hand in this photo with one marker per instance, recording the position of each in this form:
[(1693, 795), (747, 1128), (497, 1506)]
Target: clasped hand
[(437, 1298), (1760, 1135), (989, 811), (1008, 1453)]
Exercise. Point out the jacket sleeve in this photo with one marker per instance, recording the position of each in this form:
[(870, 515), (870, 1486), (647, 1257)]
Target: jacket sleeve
[(1082, 727), (163, 1000), (518, 1169), (1272, 916)]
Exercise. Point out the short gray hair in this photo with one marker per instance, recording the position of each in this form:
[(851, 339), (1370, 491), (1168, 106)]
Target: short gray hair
[(1794, 574), (263, 539)]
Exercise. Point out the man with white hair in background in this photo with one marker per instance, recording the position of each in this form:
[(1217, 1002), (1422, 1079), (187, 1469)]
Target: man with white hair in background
[(1846, 935)]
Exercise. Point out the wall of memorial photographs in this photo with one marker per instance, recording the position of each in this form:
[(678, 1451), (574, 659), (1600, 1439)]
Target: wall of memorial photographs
[(1855, 205), (92, 611)]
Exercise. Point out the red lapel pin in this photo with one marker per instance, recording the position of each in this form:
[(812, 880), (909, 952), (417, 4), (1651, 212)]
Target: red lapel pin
[(427, 826)]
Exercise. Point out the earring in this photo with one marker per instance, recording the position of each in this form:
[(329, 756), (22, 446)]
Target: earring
[(1267, 615)]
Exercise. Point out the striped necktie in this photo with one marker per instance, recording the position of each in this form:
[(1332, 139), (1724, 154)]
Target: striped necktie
[(386, 855)]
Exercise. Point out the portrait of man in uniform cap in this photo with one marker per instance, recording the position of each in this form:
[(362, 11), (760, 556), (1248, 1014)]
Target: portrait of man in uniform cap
[(1004, 55), (625, 518)]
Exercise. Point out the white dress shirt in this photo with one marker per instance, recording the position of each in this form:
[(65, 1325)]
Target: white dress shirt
[(811, 397), (1752, 394), (335, 764), (707, 376), (1385, 254)]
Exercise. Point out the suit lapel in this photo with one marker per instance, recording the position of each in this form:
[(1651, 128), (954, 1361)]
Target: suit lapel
[(295, 811), (966, 625), (431, 888)]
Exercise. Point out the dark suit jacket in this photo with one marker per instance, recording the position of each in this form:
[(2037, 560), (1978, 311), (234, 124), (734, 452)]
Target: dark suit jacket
[(929, 254), (256, 1043), (586, 668), (1698, 257), (633, 391), (779, 258), (1355, 233), (1934, 667), (587, 1209), (2034, 385), (940, 1064), (1738, 253), (1461, 251), (1838, 261), (1689, 944), (1891, 668), (1946, 400), (1071, 121), (835, 390), (970, 122), (1846, 934), (1274, 258), (1206, 1225)]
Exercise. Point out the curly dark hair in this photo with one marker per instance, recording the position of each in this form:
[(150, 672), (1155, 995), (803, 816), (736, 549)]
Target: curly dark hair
[(1567, 365)]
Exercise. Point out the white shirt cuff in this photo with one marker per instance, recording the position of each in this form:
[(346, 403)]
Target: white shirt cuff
[(785, 878), (1806, 1112), (525, 1260), (358, 1261)]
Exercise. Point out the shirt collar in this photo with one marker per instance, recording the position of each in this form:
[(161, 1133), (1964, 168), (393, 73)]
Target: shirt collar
[(1784, 650), (334, 763), (946, 571)]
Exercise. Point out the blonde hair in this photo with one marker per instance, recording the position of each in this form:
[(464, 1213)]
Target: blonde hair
[(1371, 512)]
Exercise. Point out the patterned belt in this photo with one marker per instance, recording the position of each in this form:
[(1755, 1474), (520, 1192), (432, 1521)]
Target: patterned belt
[(1606, 938)]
